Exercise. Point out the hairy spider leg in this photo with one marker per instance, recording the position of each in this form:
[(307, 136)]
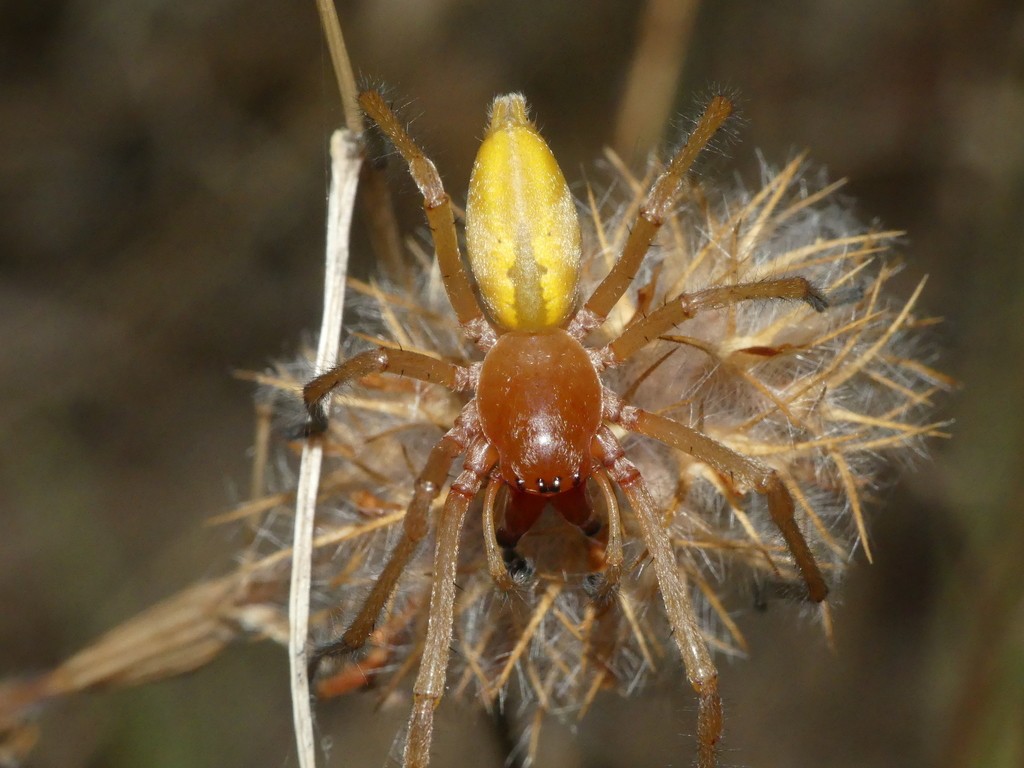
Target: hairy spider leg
[(700, 670), (414, 528), (688, 305), (650, 218), (429, 686), (762, 478), (495, 562), (413, 365), (438, 208), (613, 555)]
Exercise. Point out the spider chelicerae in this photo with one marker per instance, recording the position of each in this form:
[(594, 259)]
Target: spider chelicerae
[(536, 428)]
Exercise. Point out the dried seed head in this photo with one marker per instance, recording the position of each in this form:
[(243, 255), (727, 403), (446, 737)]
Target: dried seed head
[(824, 398)]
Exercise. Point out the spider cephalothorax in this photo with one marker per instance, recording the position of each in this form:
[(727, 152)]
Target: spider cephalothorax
[(538, 422)]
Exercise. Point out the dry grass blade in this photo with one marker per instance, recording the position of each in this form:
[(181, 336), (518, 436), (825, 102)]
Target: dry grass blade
[(175, 636), (345, 162)]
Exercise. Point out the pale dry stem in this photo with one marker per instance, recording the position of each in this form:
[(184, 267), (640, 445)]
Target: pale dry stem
[(345, 162)]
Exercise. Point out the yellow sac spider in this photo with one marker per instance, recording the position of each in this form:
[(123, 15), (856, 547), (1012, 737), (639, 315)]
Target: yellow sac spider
[(538, 421)]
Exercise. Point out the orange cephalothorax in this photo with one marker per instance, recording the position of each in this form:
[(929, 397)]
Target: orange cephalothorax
[(540, 406)]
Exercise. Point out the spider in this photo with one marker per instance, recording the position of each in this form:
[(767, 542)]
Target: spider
[(537, 422)]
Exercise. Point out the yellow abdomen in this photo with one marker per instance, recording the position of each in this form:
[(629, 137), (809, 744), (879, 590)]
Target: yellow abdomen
[(522, 232)]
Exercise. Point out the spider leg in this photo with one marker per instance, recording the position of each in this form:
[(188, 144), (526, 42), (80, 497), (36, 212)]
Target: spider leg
[(429, 686), (613, 557), (521, 511), (763, 478), (495, 562), (700, 670), (414, 528), (438, 208), (649, 219), (404, 363), (688, 305)]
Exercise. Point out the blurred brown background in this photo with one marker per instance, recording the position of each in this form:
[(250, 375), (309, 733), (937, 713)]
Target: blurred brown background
[(162, 190)]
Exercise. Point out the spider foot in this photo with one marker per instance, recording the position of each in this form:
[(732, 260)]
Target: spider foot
[(331, 650), (519, 568), (351, 675), (600, 589), (313, 426), (819, 301)]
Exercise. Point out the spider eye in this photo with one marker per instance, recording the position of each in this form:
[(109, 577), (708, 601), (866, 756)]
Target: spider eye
[(520, 484), (543, 486), (576, 478)]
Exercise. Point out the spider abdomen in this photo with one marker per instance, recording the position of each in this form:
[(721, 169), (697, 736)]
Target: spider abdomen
[(539, 399), (522, 231)]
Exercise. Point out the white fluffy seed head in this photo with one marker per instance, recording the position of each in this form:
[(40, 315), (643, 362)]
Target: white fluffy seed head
[(827, 399)]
